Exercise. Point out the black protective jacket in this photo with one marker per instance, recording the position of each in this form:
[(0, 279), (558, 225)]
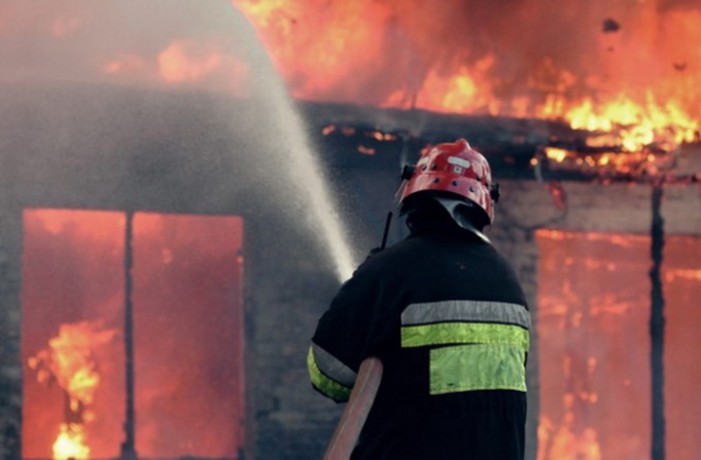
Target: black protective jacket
[(445, 313)]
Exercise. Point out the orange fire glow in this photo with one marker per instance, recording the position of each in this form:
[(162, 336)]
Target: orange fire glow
[(179, 63), (563, 440), (69, 362), (594, 346), (628, 71), (634, 162), (76, 259), (64, 26), (585, 382), (70, 443)]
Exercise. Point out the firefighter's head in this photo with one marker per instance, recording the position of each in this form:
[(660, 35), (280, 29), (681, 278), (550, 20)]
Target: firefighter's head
[(458, 178)]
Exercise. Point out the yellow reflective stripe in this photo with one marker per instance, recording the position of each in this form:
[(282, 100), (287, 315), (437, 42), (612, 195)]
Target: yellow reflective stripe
[(477, 367), (448, 333), (324, 384)]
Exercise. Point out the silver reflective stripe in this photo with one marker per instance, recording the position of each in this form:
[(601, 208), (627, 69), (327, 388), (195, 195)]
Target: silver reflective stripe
[(332, 367), (466, 310)]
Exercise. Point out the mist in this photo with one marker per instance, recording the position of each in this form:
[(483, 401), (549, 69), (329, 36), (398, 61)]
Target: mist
[(183, 50)]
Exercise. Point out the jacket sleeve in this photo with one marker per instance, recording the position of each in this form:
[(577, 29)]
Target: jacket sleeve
[(339, 342)]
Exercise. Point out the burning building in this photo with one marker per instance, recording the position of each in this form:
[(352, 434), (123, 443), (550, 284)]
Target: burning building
[(172, 224)]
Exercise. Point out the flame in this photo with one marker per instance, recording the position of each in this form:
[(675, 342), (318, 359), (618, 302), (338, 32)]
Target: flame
[(466, 90), (634, 125), (580, 378), (69, 249), (629, 73), (565, 444), (69, 361), (635, 163), (70, 443), (630, 69)]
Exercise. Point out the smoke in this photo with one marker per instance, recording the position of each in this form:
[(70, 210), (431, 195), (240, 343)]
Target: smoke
[(119, 42), (385, 52), (187, 47), (369, 51)]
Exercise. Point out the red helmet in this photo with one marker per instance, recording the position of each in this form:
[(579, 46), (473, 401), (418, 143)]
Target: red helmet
[(457, 169)]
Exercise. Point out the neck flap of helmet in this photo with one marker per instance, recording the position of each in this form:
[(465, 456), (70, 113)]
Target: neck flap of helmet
[(460, 210)]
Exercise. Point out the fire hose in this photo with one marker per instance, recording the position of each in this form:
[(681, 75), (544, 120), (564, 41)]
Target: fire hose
[(356, 411), (362, 396)]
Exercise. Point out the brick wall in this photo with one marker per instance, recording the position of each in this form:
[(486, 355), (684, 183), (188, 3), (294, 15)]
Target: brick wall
[(10, 325)]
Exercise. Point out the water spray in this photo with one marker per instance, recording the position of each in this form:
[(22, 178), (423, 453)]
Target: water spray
[(313, 185), (306, 176)]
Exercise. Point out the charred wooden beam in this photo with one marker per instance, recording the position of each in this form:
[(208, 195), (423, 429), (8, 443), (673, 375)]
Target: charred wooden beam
[(375, 138), (657, 326), (128, 448)]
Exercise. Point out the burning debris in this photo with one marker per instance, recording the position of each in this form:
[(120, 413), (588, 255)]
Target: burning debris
[(628, 110), (617, 114), (545, 150), (557, 67)]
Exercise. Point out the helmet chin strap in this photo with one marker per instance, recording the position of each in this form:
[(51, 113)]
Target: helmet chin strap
[(452, 206)]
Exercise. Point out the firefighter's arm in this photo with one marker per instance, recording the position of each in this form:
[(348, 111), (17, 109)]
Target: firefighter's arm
[(339, 343), (356, 412)]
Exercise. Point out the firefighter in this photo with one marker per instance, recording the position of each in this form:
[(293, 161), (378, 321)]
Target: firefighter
[(444, 314)]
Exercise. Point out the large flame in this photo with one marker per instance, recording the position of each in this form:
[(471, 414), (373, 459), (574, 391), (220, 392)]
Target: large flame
[(69, 361), (631, 69)]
